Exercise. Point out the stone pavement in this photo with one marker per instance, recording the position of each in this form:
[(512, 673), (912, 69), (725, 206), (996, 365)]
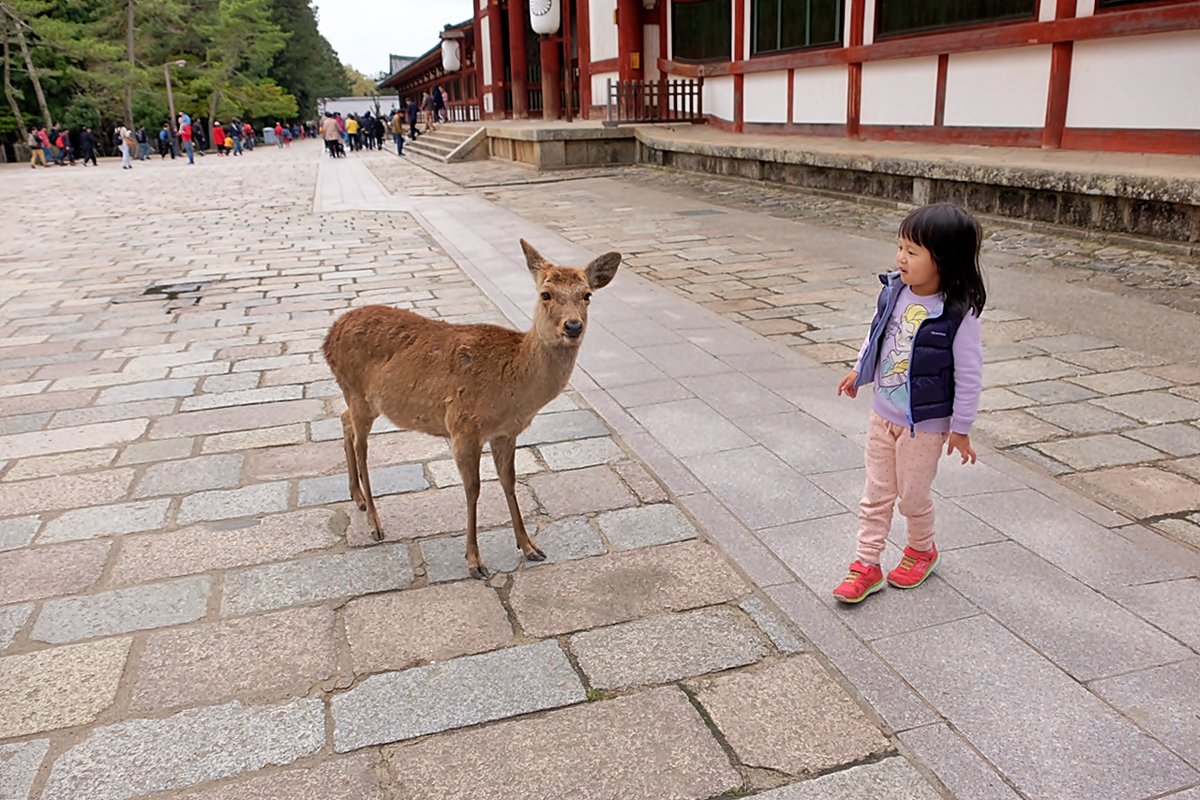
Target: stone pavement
[(186, 609)]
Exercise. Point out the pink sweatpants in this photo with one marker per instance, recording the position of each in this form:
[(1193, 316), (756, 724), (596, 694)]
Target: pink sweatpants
[(902, 466)]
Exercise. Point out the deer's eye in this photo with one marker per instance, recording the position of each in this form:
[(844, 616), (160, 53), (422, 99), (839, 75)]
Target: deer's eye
[(587, 296), (545, 295)]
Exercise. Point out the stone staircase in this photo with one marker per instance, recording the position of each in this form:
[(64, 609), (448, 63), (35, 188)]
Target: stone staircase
[(447, 143)]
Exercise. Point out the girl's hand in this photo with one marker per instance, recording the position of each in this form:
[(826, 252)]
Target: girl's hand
[(962, 443), (846, 387)]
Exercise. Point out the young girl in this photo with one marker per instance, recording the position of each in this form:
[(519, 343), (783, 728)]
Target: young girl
[(924, 355)]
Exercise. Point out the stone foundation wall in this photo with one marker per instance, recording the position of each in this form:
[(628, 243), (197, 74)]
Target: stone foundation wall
[(1160, 219)]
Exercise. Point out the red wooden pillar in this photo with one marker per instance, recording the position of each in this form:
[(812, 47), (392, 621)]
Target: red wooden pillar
[(518, 13), (584, 26), (858, 13), (496, 56), (739, 54), (1060, 83), (551, 78), (629, 40)]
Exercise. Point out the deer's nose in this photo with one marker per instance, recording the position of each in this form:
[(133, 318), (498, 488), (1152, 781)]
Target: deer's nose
[(573, 327)]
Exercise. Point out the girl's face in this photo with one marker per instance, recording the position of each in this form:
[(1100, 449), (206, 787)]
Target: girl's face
[(917, 268)]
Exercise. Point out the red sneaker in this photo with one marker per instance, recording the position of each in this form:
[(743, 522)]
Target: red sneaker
[(914, 568), (862, 580)]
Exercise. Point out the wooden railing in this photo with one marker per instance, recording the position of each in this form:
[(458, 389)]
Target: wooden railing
[(654, 101), (463, 111)]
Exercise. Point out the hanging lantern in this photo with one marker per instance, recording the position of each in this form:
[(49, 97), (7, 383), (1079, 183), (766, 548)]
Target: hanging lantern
[(451, 61), (545, 15)]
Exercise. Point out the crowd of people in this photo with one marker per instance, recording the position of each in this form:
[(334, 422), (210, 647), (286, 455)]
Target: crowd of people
[(59, 146), (356, 131)]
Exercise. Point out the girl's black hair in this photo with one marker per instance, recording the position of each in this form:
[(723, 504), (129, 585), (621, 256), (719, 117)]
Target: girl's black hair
[(953, 238)]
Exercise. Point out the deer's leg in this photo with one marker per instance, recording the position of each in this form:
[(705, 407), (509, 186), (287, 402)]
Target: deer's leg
[(466, 454), (363, 418), (352, 461), (504, 454)]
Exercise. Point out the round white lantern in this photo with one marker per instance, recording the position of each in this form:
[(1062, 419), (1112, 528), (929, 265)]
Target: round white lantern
[(450, 55), (545, 15)]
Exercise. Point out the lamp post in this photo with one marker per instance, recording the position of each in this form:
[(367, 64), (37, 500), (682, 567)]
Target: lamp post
[(171, 100)]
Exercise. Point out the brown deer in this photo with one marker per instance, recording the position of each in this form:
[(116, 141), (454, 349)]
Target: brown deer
[(471, 383)]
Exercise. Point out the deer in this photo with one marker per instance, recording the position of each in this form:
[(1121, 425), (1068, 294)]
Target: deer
[(470, 383)]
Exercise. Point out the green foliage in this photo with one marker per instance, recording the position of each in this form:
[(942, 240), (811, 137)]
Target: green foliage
[(258, 60), (360, 85)]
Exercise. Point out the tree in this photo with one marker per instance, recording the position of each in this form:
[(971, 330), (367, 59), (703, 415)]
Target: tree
[(307, 66), (360, 85), (243, 44)]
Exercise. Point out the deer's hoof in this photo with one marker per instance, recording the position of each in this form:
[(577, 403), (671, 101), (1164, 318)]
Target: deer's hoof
[(362, 505), (377, 535), (479, 573), (536, 555)]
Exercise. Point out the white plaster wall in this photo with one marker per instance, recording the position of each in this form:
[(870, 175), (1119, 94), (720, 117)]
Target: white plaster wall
[(603, 32), (764, 97), (900, 92), (1046, 10), (485, 35), (650, 54), (718, 97), (747, 33), (820, 94), (1136, 82), (998, 88), (600, 87), (1085, 8)]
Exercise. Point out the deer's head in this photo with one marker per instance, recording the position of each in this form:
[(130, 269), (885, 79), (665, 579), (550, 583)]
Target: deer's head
[(563, 295)]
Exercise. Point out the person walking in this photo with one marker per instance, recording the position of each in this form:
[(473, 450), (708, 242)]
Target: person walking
[(36, 152), (235, 131), (411, 112), (218, 137), (185, 136), (439, 104), (125, 143), (924, 353), (87, 141), (427, 112), (331, 134), (398, 131), (66, 150)]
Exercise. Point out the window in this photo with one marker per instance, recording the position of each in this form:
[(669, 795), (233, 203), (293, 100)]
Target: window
[(701, 30), (894, 17), (792, 24)]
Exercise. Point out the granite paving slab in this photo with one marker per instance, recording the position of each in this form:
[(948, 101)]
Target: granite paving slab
[(690, 427), (761, 489), (12, 619), (401, 629), (415, 514), (384, 481), (351, 778), (955, 764), (36, 573), (394, 706), (770, 623), (889, 779), (803, 443), (136, 757), (616, 588), (97, 521), (1170, 605), (16, 532), (61, 686), (645, 526), (803, 724), (1162, 701), (221, 545), (665, 649), (308, 580), (153, 605), (1042, 730), (19, 765), (651, 744), (269, 654)]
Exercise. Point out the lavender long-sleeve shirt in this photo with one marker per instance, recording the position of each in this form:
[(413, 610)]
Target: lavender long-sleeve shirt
[(890, 396)]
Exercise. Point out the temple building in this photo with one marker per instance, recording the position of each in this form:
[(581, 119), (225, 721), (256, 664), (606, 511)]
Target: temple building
[(1080, 74)]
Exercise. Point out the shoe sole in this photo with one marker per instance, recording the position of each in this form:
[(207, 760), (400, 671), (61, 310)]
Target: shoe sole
[(872, 589), (928, 572)]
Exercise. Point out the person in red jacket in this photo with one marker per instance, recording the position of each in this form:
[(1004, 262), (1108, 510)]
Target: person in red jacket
[(218, 138)]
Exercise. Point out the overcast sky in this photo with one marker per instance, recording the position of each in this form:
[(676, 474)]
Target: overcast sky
[(364, 31)]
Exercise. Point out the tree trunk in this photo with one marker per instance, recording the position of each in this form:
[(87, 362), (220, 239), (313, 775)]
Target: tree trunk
[(18, 26), (22, 131), (129, 35)]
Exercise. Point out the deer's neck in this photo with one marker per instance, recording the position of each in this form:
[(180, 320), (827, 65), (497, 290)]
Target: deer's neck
[(547, 368)]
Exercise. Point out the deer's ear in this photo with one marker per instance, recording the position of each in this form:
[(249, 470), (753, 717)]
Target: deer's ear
[(602, 270), (533, 258)]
